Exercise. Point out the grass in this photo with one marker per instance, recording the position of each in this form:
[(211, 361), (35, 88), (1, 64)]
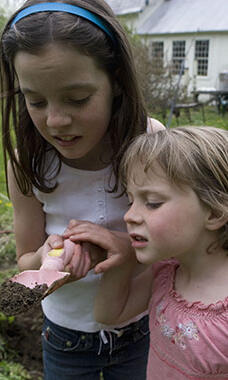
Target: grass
[(211, 115), (13, 371)]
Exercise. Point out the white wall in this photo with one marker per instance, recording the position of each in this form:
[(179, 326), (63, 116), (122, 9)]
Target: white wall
[(218, 56), (221, 52)]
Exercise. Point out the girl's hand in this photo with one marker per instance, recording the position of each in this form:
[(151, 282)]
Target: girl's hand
[(96, 253), (52, 242), (66, 256), (116, 244), (80, 262)]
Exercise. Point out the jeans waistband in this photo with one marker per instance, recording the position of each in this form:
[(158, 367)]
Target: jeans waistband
[(107, 335), (134, 326), (106, 340)]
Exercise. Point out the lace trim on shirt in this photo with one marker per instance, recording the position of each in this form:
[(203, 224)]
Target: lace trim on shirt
[(167, 276)]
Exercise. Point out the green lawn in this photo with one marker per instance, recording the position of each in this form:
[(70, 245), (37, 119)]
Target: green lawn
[(211, 115)]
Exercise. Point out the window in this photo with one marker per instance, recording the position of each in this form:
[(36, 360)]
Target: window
[(201, 56), (178, 55), (158, 52)]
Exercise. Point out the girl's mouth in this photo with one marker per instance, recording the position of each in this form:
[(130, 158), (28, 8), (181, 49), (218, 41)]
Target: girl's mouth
[(138, 241), (67, 140)]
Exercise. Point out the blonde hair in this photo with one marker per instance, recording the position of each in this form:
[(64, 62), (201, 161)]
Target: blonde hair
[(193, 156)]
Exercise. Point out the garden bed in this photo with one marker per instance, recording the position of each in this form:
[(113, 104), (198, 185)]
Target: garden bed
[(20, 342), (23, 336)]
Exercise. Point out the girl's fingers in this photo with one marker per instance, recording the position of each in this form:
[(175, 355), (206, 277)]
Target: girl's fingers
[(80, 262), (55, 241), (83, 265), (87, 264), (109, 263), (76, 223), (76, 261), (52, 242), (103, 240), (86, 249), (69, 248)]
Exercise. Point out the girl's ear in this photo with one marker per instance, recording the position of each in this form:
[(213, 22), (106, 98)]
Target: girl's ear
[(214, 221)]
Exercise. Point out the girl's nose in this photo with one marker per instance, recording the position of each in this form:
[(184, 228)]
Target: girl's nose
[(133, 215), (57, 118)]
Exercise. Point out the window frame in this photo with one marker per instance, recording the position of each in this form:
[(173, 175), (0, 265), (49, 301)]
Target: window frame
[(178, 57), (202, 59), (157, 52)]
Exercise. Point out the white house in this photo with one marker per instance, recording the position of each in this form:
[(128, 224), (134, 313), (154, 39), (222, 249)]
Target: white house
[(192, 30)]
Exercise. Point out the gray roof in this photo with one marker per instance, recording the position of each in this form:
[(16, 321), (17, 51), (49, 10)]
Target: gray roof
[(187, 16), (121, 7)]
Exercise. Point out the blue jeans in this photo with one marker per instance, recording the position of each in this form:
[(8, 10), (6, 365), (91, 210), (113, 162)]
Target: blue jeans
[(75, 355)]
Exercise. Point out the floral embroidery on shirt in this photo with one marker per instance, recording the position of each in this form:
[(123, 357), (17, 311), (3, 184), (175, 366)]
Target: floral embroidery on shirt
[(180, 333)]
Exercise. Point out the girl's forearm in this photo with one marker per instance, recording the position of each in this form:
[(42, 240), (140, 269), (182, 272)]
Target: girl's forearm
[(113, 294), (29, 261)]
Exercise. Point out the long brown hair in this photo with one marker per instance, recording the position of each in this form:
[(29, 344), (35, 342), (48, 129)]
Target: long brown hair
[(31, 34)]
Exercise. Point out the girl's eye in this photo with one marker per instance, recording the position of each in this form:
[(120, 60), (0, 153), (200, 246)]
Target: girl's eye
[(79, 101), (153, 205), (37, 104)]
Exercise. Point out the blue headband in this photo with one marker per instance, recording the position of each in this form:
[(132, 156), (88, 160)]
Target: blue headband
[(63, 7)]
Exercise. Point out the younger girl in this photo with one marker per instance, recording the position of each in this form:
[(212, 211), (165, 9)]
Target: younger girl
[(177, 185), (71, 106)]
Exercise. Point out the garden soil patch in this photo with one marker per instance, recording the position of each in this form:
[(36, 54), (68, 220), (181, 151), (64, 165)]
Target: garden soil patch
[(23, 336)]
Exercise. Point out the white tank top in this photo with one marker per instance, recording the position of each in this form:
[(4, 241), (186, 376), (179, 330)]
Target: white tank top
[(80, 195)]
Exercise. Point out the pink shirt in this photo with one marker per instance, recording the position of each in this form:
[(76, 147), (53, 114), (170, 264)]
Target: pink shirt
[(188, 340)]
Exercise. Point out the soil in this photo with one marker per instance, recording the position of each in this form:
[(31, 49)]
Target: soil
[(16, 298), (23, 336)]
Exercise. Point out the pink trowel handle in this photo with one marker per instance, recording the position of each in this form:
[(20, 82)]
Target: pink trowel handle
[(63, 257)]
